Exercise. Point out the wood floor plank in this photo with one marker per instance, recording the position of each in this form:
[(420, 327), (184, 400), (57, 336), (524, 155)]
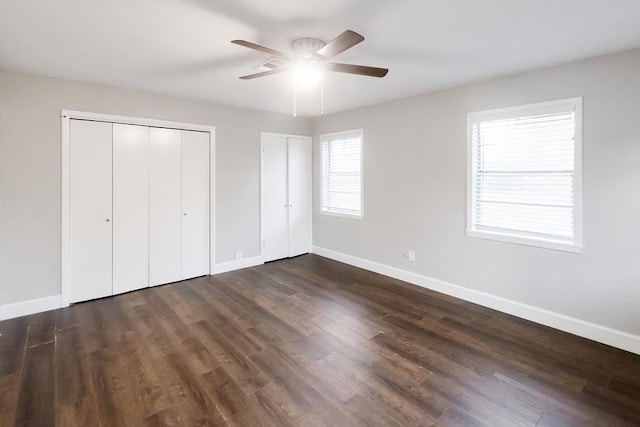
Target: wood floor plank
[(368, 412), (166, 417), (144, 379), (13, 341), (380, 360), (241, 339), (299, 388), (456, 417), (36, 400), (261, 315), (9, 388), (326, 288), (274, 400), (384, 391), (221, 310), (72, 316), (236, 407), (337, 379), (468, 377), (248, 377), (41, 328), (181, 307), (183, 340), (571, 407), (110, 388), (305, 341), (75, 402), (200, 407)]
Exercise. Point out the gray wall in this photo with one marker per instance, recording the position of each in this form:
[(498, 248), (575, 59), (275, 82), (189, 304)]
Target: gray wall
[(30, 190), (415, 193)]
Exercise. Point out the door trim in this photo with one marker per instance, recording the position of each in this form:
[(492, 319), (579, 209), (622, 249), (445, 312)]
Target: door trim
[(65, 117), (284, 135)]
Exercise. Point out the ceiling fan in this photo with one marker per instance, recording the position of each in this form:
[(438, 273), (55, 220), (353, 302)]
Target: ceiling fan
[(310, 52)]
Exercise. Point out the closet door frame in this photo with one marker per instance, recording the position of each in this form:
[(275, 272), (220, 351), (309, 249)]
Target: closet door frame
[(262, 219), (65, 117)]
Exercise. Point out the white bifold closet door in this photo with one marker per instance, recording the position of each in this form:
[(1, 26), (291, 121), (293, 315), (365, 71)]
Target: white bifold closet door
[(275, 223), (299, 191), (139, 207), (286, 196), (178, 205), (90, 210), (165, 206), (195, 204), (130, 207)]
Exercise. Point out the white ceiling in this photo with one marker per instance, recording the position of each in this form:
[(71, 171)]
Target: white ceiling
[(182, 47)]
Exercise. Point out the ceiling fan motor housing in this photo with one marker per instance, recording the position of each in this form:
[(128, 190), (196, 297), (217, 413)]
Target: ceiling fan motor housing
[(306, 48)]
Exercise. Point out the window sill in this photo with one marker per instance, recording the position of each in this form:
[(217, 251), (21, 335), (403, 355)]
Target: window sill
[(507, 238), (343, 215)]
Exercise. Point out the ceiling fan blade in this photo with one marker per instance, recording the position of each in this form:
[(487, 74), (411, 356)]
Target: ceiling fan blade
[(361, 70), (265, 73), (260, 48), (341, 43)]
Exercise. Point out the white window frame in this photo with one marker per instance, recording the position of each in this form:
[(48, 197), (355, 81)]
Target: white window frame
[(337, 135), (518, 111)]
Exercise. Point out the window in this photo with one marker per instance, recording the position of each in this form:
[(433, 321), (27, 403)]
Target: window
[(524, 183), (342, 174)]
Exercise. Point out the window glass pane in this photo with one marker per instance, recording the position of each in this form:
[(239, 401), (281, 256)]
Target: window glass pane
[(523, 168), (341, 174)]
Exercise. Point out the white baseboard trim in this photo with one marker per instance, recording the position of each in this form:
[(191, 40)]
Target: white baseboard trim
[(38, 305), (24, 308), (582, 328), (224, 267)]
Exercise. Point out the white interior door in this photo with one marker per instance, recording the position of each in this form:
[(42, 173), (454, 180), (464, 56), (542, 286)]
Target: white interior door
[(299, 190), (195, 204), (275, 224), (90, 210), (130, 207), (165, 206)]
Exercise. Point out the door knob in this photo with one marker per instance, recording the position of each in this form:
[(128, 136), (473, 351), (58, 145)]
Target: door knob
[(107, 220), (185, 214)]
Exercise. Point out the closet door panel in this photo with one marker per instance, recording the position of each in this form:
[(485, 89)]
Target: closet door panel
[(130, 207), (195, 204), (299, 162), (274, 198), (90, 210), (165, 206)]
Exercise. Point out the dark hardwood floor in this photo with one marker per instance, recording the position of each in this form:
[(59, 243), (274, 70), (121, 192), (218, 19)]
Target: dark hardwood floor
[(306, 341)]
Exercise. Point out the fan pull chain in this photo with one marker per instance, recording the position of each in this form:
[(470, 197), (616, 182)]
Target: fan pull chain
[(322, 97), (295, 93)]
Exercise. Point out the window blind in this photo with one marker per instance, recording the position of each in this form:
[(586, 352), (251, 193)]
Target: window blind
[(342, 174), (523, 174)]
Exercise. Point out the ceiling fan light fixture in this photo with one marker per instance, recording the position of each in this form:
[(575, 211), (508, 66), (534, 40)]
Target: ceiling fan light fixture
[(307, 74)]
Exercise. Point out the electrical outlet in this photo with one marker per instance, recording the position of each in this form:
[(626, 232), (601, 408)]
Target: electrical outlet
[(411, 256), (238, 255)]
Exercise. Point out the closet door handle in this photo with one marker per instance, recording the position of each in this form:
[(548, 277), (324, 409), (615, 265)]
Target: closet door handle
[(107, 220)]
